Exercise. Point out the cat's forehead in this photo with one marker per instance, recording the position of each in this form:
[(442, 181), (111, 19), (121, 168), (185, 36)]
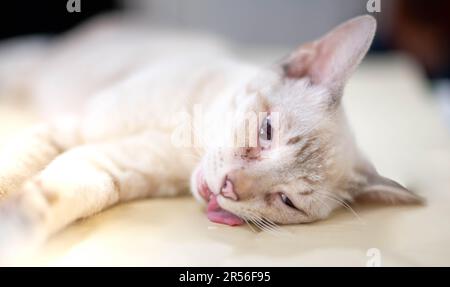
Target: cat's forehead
[(277, 90), (264, 83)]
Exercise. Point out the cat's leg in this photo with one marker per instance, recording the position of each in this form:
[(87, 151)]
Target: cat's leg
[(27, 154), (88, 179)]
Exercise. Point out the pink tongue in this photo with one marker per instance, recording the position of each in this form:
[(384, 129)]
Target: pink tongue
[(217, 214)]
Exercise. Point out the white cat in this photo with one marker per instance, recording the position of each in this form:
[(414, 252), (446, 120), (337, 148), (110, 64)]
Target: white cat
[(117, 140)]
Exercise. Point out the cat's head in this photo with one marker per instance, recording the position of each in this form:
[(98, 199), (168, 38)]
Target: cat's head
[(305, 162)]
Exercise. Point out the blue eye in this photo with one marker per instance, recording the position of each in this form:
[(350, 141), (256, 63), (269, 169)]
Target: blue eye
[(265, 131)]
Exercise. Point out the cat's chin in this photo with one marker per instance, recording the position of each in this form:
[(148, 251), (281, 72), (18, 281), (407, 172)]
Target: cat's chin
[(214, 211)]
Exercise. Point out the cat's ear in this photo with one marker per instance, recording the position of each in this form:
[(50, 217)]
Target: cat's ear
[(380, 189), (330, 60), (385, 190)]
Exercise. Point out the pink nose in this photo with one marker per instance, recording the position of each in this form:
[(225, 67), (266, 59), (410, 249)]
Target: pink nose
[(227, 190)]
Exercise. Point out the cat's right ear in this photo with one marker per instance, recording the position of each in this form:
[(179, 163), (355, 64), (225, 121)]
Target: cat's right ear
[(384, 190), (372, 187), (330, 60)]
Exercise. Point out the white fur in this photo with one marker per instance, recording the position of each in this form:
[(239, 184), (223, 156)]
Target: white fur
[(122, 102)]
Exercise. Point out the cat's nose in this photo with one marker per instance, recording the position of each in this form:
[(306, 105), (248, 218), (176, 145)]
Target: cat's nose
[(227, 189)]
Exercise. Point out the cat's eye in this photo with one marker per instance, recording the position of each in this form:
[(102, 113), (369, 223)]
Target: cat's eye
[(265, 131), (287, 201)]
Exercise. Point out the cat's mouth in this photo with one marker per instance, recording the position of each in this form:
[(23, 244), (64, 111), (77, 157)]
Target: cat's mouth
[(214, 211)]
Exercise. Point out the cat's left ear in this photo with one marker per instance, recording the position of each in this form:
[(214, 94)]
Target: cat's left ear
[(330, 60)]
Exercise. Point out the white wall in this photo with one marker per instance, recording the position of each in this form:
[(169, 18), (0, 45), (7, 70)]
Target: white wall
[(286, 22)]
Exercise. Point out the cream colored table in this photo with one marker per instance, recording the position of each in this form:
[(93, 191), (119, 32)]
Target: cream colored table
[(396, 123)]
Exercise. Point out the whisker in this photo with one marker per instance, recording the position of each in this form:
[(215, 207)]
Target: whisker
[(266, 225), (256, 219), (256, 222), (272, 224), (342, 203), (276, 228), (268, 228), (249, 225)]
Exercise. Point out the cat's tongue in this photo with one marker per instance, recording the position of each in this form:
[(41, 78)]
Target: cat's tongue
[(217, 214)]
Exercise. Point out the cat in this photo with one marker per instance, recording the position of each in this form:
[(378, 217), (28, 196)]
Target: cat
[(119, 137)]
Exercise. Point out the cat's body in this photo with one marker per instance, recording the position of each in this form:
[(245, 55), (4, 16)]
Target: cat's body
[(119, 139)]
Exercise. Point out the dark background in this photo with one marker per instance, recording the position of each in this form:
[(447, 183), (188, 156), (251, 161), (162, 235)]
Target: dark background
[(420, 28), (25, 17)]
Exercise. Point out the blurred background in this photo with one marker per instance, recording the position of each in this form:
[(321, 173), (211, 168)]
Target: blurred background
[(398, 103), (416, 28)]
